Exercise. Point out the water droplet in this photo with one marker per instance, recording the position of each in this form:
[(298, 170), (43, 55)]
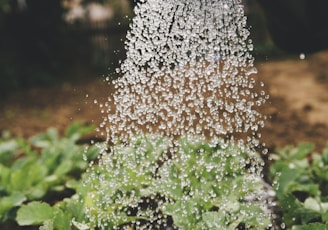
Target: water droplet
[(302, 56)]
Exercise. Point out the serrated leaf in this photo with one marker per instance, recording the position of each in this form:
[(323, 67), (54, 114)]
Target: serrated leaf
[(34, 213)]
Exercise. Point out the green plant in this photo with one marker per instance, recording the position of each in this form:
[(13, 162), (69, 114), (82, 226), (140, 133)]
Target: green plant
[(142, 185), (199, 186), (209, 187), (42, 168), (301, 179)]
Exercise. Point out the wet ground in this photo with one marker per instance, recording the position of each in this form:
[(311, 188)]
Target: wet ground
[(297, 109)]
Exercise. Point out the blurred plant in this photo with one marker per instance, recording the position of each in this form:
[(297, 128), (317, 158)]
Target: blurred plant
[(42, 168), (301, 179)]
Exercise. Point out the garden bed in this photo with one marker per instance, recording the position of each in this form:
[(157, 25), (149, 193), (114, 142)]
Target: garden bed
[(297, 107)]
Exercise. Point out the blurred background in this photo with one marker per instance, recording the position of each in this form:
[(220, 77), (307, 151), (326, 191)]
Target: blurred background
[(47, 42), (55, 55)]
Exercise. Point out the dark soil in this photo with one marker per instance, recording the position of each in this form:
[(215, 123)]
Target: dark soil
[(297, 109)]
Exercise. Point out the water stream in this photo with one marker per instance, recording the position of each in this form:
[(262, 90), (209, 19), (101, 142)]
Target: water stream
[(188, 72), (188, 75)]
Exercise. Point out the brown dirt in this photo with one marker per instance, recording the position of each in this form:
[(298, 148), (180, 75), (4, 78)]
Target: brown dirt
[(297, 109)]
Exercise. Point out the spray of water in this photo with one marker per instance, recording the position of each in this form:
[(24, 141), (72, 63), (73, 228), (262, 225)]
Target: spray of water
[(188, 74)]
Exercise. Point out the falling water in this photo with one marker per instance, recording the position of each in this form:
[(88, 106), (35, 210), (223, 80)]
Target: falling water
[(188, 74)]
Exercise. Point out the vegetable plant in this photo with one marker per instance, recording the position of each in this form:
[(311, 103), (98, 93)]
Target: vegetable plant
[(48, 182), (42, 168), (145, 186), (301, 182)]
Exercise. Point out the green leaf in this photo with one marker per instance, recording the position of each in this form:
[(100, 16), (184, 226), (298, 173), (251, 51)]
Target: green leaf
[(213, 220), (4, 178), (290, 153), (62, 220), (287, 176), (73, 184), (63, 168), (34, 213), (313, 226), (7, 152), (81, 226), (74, 207), (92, 152), (52, 134), (312, 204), (13, 200), (325, 216), (26, 147), (303, 150), (28, 177), (47, 225), (77, 129), (325, 155), (309, 188), (321, 172)]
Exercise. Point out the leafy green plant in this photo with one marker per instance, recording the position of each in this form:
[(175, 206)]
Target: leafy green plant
[(41, 168), (143, 186), (64, 215), (149, 184), (199, 186), (301, 178), (208, 186)]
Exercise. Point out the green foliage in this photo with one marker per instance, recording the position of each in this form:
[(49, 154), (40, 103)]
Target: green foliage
[(40, 168), (301, 186), (200, 186), (207, 186), (44, 182), (34, 213), (143, 183)]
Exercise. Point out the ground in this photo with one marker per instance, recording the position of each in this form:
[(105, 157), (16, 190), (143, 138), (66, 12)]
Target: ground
[(297, 109)]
